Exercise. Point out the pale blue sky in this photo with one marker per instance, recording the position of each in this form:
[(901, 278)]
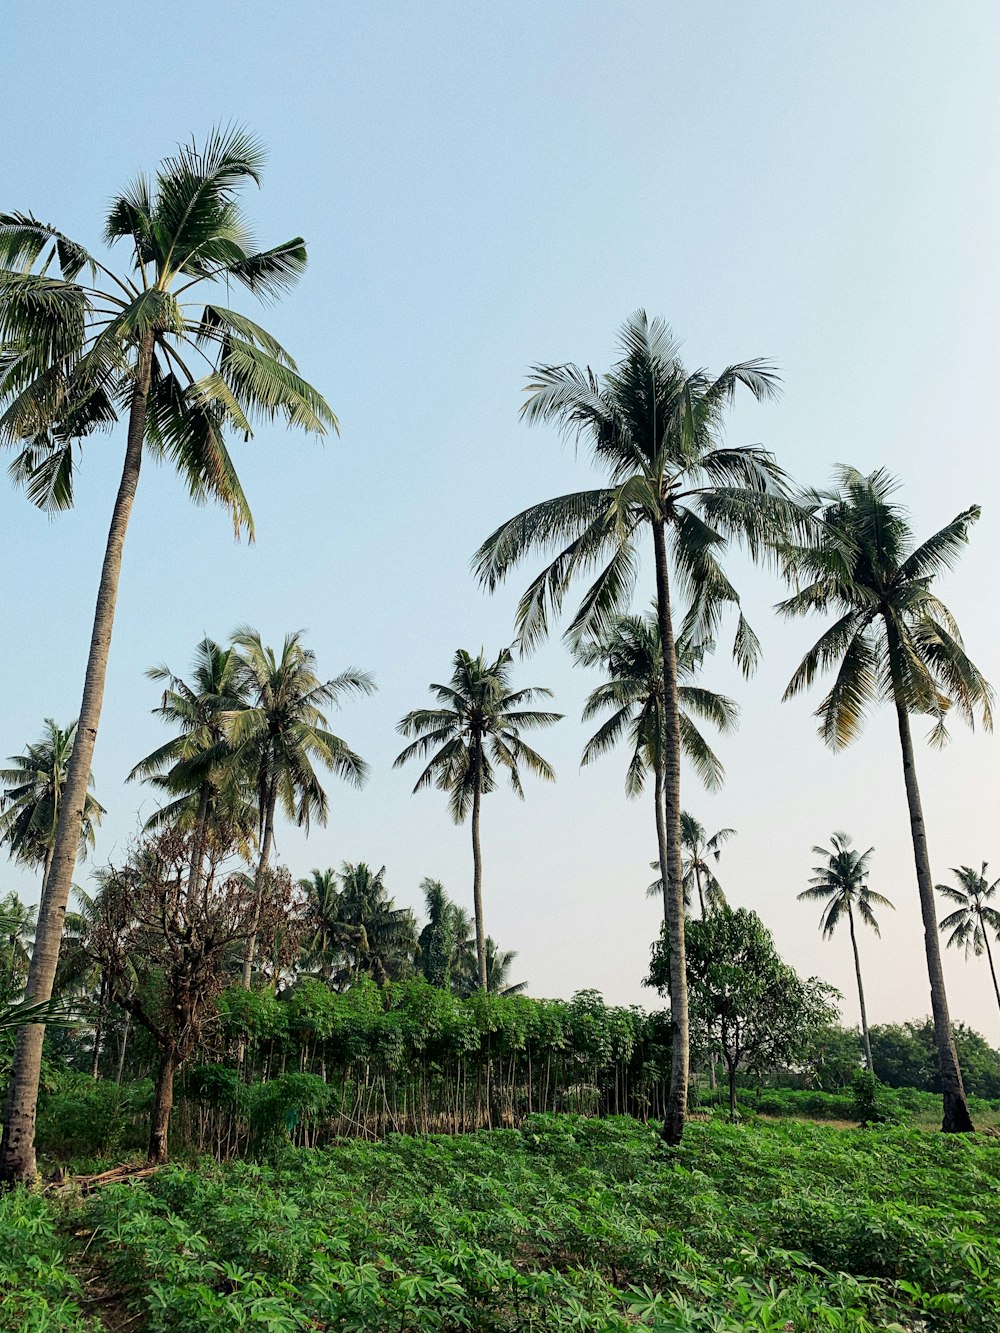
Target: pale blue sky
[(483, 187)]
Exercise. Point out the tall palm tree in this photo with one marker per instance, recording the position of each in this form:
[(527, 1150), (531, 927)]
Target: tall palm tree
[(478, 728), (842, 884), (82, 344), (630, 654), (975, 917), (281, 732), (655, 428), (34, 790), (380, 938), (893, 641), (198, 768)]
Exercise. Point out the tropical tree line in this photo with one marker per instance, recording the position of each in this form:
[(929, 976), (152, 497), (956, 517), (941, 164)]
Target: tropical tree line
[(84, 345)]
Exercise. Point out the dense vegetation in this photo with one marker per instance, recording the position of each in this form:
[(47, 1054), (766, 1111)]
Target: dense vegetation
[(565, 1223)]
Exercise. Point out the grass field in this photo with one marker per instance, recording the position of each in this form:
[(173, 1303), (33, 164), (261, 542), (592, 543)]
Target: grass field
[(567, 1223)]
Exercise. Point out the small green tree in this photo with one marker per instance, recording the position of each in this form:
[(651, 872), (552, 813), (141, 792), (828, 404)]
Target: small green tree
[(744, 1001)]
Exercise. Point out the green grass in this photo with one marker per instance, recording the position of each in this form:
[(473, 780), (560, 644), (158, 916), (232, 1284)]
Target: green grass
[(565, 1224)]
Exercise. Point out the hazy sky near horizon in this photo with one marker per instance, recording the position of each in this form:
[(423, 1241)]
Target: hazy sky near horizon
[(482, 188)]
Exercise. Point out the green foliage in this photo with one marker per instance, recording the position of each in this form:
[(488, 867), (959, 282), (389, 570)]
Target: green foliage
[(904, 1055), (96, 1120), (871, 1103), (566, 1224)]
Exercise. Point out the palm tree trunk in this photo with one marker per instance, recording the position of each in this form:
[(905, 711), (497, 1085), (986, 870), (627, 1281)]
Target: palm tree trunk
[(697, 880), (865, 1038), (121, 1050), (955, 1118), (661, 841), (265, 856), (477, 872), (676, 1110), (102, 1003), (989, 959), (17, 1150)]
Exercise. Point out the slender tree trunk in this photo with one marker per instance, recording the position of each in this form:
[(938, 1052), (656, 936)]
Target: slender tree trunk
[(989, 959), (731, 1070), (661, 843), (676, 1110), (17, 1150), (163, 1102), (865, 1038), (477, 870), (265, 856), (955, 1118)]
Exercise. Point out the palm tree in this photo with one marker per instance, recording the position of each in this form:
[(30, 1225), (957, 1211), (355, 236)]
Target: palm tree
[(81, 344), (324, 922), (700, 852), (630, 654), (17, 927), (893, 641), (478, 729), (655, 428), (498, 964), (35, 786), (971, 923), (842, 884), (198, 768), (380, 937), (281, 731)]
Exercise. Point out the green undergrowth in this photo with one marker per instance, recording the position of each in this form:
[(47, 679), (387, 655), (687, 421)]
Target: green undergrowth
[(567, 1223)]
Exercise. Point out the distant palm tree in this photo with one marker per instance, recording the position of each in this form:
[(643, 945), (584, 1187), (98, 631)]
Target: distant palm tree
[(498, 964), (324, 923), (630, 654), (895, 642), (655, 428), (198, 767), (975, 918), (34, 787), (379, 938), (281, 731), (81, 348), (17, 927), (841, 883), (478, 729), (700, 852)]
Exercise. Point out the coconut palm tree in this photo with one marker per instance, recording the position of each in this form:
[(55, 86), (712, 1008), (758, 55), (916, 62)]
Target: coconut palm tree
[(893, 641), (974, 918), (281, 732), (17, 927), (198, 768), (841, 883), (700, 851), (378, 937), (321, 942), (498, 965), (82, 344), (655, 428), (477, 728), (34, 789), (630, 654)]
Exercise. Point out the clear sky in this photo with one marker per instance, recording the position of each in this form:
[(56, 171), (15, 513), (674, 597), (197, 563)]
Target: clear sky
[(487, 186)]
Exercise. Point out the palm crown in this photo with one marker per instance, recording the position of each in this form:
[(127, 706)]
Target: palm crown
[(31, 800), (476, 731), (973, 896), (893, 639), (73, 350), (842, 884), (630, 654), (655, 428)]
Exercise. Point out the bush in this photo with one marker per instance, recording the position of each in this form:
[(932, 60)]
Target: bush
[(871, 1103), (93, 1119)]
